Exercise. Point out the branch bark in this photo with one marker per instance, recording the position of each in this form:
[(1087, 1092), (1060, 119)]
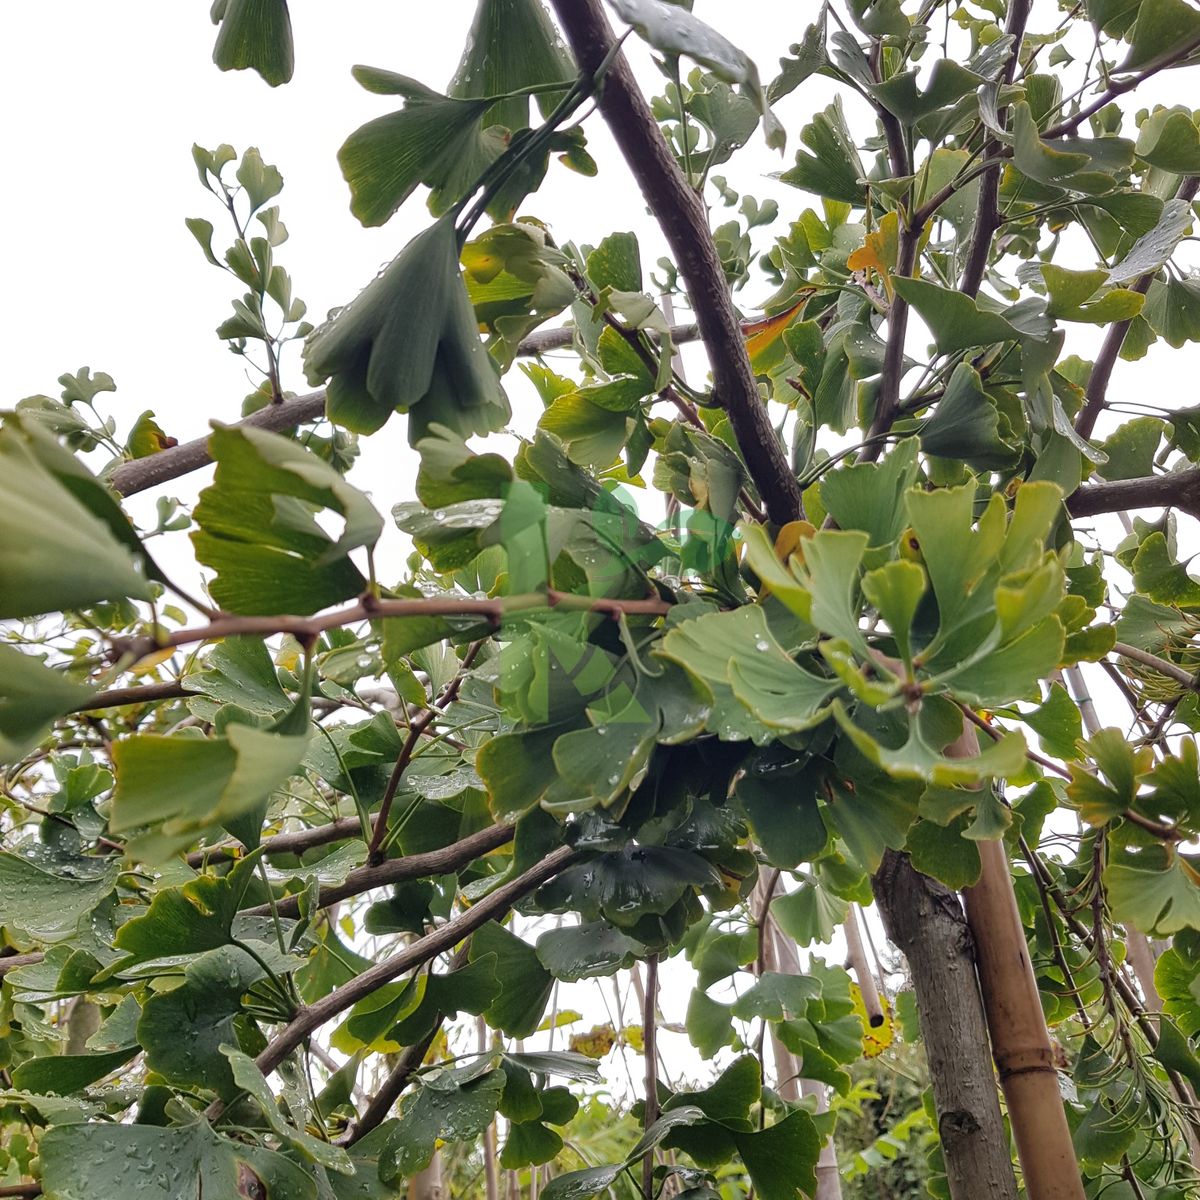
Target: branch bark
[(987, 212), (369, 608), (309, 1018), (684, 223), (395, 870), (1175, 489)]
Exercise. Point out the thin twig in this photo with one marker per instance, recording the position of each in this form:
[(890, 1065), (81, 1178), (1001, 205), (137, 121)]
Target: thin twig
[(370, 608)]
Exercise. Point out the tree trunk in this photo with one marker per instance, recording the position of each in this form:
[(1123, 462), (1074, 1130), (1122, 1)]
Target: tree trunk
[(1020, 1041), (924, 920)]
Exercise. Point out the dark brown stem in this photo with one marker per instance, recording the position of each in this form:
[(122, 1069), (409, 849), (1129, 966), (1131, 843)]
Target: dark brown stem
[(310, 1018), (1070, 124), (987, 212), (1175, 490), (396, 870), (1114, 337), (684, 223), (650, 1049), (147, 693), (887, 405), (411, 1058), (419, 724)]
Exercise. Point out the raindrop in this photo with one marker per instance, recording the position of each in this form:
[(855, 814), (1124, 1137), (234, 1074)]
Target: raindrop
[(762, 644), (601, 730), (440, 515), (614, 780)]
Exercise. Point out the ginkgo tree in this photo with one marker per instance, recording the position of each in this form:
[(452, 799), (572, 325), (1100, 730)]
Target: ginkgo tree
[(281, 833)]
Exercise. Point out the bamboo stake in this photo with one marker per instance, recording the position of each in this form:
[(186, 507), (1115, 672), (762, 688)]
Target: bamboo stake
[(1016, 1024)]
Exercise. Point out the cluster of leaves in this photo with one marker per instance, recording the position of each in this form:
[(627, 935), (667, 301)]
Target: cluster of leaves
[(562, 708)]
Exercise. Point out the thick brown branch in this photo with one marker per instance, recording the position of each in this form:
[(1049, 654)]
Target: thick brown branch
[(395, 870), (684, 223), (311, 1017), (1114, 337), (10, 962), (144, 473), (146, 693), (1176, 489)]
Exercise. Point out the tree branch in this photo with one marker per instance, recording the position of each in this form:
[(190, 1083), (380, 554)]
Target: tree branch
[(987, 212), (684, 223), (409, 1062), (887, 404), (369, 608), (1176, 489), (1161, 665), (1070, 124), (416, 728), (144, 473), (309, 1018), (146, 693), (1114, 337), (395, 870)]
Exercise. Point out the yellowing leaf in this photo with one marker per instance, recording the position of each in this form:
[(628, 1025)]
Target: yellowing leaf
[(879, 252), (787, 541), (634, 1036), (876, 1038), (596, 1043), (763, 337)]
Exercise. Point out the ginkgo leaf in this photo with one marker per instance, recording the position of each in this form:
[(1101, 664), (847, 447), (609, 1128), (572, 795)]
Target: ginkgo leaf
[(410, 343), (255, 34), (434, 140)]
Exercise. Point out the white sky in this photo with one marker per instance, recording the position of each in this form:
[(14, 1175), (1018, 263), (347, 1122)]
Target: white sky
[(103, 103)]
